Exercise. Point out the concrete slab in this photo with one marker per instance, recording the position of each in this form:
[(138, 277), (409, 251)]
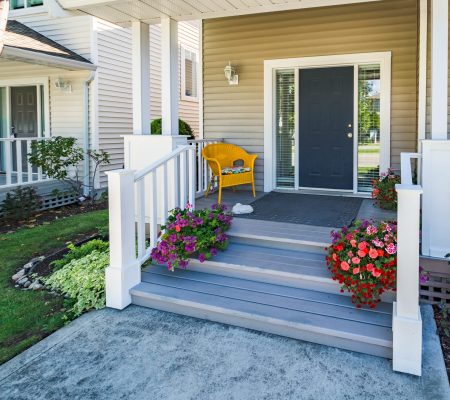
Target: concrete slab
[(141, 353)]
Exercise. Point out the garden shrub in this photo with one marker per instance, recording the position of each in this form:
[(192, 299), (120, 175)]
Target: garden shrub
[(383, 190), (20, 204), (77, 252), (183, 128), (191, 232), (363, 259), (83, 281)]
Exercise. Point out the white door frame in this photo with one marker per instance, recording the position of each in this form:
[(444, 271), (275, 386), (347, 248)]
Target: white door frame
[(270, 68)]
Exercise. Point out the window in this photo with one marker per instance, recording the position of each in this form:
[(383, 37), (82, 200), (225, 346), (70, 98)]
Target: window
[(189, 75), (368, 126), (20, 4), (285, 128)]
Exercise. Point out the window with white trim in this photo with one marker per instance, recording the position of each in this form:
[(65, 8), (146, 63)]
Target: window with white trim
[(21, 4), (189, 75)]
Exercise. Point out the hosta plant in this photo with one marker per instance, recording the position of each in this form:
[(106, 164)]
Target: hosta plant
[(192, 233), (383, 190), (363, 259)]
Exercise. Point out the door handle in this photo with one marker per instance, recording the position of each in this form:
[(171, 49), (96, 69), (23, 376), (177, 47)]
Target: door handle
[(349, 135)]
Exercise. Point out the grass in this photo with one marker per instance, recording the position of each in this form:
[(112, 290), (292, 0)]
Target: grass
[(28, 316)]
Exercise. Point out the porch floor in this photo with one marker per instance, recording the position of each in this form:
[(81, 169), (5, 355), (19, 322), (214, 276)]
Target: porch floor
[(367, 210)]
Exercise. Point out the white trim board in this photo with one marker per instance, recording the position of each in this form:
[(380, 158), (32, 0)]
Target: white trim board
[(270, 67)]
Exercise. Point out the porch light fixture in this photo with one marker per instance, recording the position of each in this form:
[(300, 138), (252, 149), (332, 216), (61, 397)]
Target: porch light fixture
[(63, 86), (230, 74)]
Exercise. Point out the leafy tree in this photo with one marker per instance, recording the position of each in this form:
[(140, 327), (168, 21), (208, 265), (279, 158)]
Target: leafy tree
[(369, 117), (183, 127), (60, 158)]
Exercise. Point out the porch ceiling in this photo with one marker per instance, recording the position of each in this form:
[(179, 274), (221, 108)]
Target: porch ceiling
[(123, 12)]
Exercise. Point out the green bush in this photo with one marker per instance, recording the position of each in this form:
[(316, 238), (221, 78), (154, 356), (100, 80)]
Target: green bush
[(183, 127), (83, 281), (20, 204), (76, 253)]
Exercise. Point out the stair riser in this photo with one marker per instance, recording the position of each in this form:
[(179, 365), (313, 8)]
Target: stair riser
[(281, 244), (246, 321)]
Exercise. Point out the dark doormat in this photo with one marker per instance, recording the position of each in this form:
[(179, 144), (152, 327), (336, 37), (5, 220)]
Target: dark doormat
[(305, 209)]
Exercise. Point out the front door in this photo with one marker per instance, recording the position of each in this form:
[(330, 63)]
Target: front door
[(326, 128), (24, 121)]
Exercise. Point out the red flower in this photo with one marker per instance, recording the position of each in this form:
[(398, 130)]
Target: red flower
[(177, 228)]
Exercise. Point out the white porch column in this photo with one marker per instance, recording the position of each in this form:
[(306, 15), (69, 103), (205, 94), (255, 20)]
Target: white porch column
[(406, 318), (439, 68), (169, 78), (141, 78)]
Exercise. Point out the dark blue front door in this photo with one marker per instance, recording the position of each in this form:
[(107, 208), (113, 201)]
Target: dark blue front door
[(326, 128)]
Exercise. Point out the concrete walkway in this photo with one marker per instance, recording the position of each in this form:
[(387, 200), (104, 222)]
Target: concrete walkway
[(141, 353)]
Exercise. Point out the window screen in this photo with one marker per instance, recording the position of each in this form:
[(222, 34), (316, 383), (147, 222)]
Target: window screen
[(190, 74), (19, 4), (368, 126), (285, 128)]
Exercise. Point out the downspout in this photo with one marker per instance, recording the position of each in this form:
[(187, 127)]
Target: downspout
[(86, 161)]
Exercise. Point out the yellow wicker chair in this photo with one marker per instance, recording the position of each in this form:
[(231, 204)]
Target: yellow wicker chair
[(223, 155)]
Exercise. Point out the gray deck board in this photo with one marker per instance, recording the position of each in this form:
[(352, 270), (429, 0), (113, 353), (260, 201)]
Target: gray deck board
[(269, 294), (319, 324)]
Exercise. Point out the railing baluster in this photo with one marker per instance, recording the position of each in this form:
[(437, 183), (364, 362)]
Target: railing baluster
[(140, 210), (153, 208), (164, 196), (8, 161), (192, 175), (29, 166), (19, 161), (176, 181), (183, 180), (199, 147)]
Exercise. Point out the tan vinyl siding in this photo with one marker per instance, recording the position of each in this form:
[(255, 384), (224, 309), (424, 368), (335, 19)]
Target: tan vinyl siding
[(235, 113)]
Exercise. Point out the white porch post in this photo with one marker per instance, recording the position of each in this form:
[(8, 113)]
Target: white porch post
[(124, 270), (439, 68), (406, 319), (141, 78), (169, 78)]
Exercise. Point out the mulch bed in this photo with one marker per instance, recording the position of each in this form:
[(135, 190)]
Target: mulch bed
[(444, 338), (44, 268), (47, 216)]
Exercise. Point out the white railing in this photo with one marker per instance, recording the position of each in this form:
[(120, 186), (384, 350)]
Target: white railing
[(139, 203), (407, 321), (203, 170), (15, 169)]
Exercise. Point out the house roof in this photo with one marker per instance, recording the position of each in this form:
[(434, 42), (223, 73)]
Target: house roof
[(25, 44)]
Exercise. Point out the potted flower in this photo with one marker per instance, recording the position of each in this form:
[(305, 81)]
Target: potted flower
[(192, 233), (363, 259), (383, 190)]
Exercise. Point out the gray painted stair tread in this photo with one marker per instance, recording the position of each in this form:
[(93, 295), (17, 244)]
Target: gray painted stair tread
[(291, 261), (377, 335), (275, 295), (280, 230)]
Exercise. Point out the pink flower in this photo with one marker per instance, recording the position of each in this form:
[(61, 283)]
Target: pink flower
[(334, 256), (373, 253), (362, 245), (391, 248), (361, 253), (376, 273), (345, 266), (369, 267), (356, 270), (356, 260), (353, 243), (349, 236), (386, 238), (377, 242), (371, 230), (350, 254)]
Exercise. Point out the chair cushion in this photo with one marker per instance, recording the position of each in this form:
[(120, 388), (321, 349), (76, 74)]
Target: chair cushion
[(235, 170)]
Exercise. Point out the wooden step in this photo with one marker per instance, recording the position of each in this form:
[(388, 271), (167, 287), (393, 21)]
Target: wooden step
[(280, 235), (298, 313)]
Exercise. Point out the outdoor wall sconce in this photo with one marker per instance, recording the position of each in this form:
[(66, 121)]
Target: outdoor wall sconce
[(230, 74), (63, 86)]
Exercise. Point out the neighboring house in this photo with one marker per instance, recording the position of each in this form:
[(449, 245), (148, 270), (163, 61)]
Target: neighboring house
[(74, 70)]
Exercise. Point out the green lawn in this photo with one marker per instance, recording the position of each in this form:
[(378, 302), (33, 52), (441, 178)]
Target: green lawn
[(28, 316)]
